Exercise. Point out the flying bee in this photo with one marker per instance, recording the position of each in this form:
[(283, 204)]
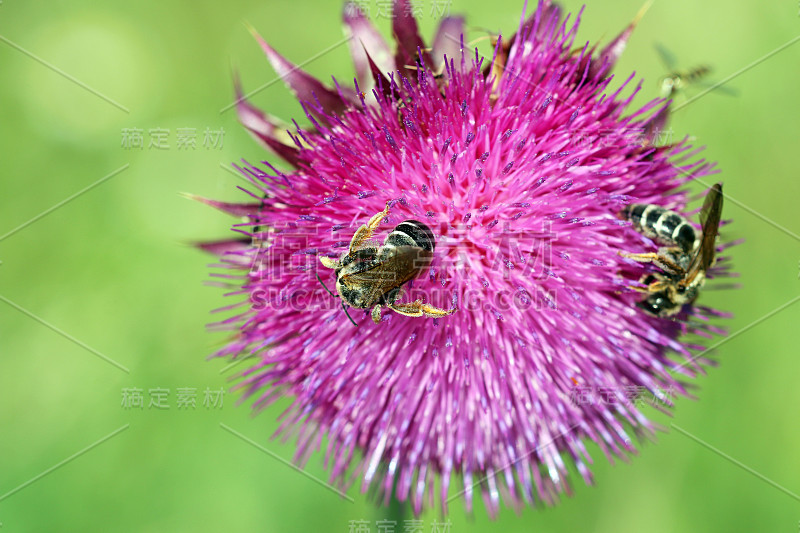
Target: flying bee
[(679, 79), (684, 259), (369, 275)]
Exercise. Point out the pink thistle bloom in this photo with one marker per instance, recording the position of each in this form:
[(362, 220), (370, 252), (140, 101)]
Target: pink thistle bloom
[(520, 165)]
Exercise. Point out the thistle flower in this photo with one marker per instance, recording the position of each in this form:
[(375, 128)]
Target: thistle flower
[(520, 165)]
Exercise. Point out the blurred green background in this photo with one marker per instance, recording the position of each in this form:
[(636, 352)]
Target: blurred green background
[(113, 269)]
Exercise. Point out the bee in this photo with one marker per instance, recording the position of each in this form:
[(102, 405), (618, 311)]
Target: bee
[(679, 79), (369, 275), (684, 259)]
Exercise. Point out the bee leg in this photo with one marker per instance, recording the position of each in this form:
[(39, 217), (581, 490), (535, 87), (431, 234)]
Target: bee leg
[(639, 289), (642, 258), (655, 286), (376, 314), (417, 308), (327, 262), (660, 259), (365, 232)]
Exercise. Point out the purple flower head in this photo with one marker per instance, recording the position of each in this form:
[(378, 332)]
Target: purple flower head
[(520, 165)]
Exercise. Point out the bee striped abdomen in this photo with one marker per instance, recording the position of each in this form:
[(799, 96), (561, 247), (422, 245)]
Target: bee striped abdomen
[(697, 73), (412, 233), (662, 225)]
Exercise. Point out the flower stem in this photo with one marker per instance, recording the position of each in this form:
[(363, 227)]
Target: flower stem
[(396, 513)]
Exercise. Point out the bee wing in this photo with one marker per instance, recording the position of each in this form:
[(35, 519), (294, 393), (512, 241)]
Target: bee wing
[(400, 265), (722, 89), (666, 57), (710, 217)]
